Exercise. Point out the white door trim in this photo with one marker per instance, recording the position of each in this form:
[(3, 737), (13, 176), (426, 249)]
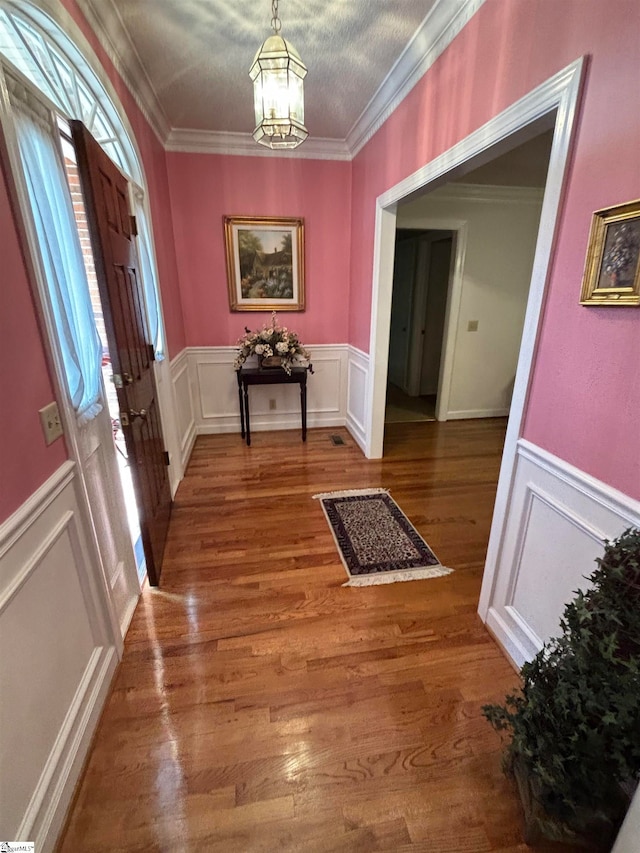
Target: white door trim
[(561, 92)]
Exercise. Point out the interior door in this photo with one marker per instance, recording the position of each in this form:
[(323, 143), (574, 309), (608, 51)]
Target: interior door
[(112, 230), (401, 303), (436, 308)]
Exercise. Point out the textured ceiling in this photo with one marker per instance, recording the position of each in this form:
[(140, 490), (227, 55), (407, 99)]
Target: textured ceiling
[(197, 55)]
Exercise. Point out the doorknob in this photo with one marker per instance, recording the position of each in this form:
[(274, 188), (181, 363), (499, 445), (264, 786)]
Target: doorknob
[(141, 414)]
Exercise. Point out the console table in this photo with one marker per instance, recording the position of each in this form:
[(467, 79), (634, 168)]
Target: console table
[(269, 376)]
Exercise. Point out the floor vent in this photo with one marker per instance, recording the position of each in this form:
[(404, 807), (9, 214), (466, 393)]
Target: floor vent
[(337, 440)]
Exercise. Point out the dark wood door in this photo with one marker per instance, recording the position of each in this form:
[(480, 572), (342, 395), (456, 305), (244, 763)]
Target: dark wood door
[(112, 230)]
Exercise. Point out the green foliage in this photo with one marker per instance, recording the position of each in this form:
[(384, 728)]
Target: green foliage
[(576, 723)]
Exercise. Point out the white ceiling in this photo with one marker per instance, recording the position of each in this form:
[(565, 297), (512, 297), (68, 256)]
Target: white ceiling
[(188, 60)]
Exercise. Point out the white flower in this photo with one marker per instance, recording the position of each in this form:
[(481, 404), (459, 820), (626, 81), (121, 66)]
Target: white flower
[(282, 347), (265, 334), (260, 348)]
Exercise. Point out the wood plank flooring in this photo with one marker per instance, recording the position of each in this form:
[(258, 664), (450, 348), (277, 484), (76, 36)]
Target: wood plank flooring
[(261, 706)]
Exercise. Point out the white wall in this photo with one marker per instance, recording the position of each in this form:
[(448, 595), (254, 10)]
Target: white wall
[(502, 226)]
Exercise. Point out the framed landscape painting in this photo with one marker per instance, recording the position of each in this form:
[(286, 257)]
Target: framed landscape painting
[(265, 263), (612, 269)]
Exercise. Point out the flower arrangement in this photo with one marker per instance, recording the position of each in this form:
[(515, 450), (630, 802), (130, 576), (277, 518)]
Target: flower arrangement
[(273, 340)]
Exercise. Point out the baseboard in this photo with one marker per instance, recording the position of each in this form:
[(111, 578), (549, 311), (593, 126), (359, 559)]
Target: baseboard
[(464, 414), (557, 521)]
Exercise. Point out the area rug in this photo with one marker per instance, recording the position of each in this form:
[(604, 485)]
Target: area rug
[(376, 541)]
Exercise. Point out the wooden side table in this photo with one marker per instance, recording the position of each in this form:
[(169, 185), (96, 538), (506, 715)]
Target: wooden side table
[(269, 376)]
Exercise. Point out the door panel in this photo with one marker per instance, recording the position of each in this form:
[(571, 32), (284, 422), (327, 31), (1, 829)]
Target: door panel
[(110, 223), (438, 289), (401, 302)]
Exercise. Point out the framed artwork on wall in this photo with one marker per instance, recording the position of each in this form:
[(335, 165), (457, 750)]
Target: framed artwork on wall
[(612, 269), (265, 263)]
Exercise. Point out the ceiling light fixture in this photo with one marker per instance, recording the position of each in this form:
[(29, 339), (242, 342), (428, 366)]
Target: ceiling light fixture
[(278, 91)]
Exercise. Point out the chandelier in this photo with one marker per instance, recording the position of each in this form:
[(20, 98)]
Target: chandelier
[(278, 91)]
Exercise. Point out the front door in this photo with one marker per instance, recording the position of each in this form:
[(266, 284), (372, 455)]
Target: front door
[(112, 230)]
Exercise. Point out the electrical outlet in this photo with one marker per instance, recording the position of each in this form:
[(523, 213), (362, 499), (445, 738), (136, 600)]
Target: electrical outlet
[(51, 423), (472, 326), (272, 405)]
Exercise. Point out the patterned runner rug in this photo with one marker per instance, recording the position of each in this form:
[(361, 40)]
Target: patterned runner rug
[(376, 541)]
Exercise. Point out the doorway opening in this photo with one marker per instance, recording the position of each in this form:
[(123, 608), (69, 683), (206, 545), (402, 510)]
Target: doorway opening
[(110, 396), (553, 105), (422, 270), (455, 339)]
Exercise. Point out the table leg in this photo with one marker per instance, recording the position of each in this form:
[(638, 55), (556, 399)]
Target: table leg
[(303, 407), (246, 415), (241, 406)]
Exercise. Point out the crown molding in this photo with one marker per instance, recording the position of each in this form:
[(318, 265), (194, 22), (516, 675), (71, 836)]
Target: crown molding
[(436, 32), (243, 144), (105, 21), (443, 23), (488, 193)]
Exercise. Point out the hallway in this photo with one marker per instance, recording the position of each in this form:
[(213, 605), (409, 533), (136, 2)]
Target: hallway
[(261, 706)]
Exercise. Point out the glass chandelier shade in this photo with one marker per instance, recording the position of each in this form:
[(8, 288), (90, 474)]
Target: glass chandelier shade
[(278, 93)]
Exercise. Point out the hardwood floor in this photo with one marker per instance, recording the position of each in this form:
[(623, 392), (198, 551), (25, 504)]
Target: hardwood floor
[(261, 706)]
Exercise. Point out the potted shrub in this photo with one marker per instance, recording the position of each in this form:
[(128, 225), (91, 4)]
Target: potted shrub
[(575, 725)]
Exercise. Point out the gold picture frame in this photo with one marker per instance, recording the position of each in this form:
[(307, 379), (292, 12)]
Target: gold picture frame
[(265, 263), (612, 268)]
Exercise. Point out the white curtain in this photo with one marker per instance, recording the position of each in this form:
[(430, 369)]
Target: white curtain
[(62, 261), (149, 281)]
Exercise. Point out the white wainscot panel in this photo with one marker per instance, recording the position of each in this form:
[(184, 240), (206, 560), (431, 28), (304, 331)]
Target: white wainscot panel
[(556, 525), (358, 367), (58, 656), (272, 407), (183, 401)]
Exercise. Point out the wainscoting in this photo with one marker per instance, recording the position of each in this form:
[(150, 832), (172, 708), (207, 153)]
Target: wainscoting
[(205, 391), (556, 523), (58, 657)]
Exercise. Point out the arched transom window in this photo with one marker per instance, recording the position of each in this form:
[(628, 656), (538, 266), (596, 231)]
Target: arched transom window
[(47, 57)]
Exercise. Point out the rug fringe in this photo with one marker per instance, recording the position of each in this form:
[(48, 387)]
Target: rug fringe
[(349, 492), (394, 577)]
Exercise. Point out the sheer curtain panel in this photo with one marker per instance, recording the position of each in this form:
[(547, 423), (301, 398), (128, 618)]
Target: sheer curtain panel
[(61, 257)]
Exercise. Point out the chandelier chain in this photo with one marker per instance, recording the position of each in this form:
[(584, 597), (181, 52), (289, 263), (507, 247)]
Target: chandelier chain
[(276, 26)]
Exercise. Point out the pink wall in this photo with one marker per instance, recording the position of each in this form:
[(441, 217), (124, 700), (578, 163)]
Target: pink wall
[(584, 403), (25, 461), (206, 187)]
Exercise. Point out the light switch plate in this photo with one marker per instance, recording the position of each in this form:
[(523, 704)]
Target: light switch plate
[(472, 326), (51, 424)]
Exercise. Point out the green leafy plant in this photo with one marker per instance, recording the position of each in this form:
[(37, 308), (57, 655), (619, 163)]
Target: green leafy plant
[(575, 726)]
